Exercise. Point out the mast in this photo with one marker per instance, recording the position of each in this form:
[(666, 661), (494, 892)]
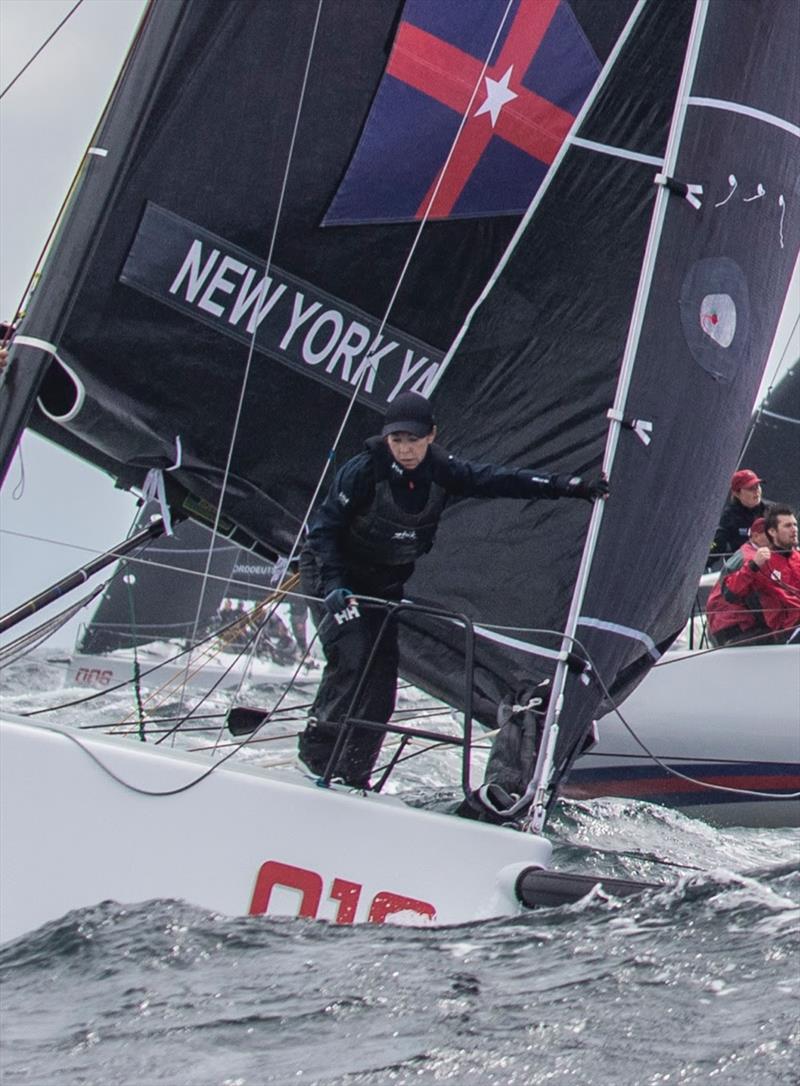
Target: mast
[(538, 789), (713, 285), (112, 148)]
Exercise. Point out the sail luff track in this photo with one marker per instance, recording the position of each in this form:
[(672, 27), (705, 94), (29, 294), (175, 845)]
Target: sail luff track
[(540, 784)]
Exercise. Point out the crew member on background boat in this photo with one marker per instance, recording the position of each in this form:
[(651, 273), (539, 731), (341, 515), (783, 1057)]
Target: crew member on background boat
[(773, 573), (733, 618), (743, 506), (379, 517)]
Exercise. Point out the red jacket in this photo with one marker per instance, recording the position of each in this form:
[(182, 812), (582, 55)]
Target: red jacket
[(777, 585), (725, 608)]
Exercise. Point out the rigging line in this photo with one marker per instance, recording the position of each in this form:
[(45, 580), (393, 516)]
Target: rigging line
[(19, 488), (276, 597), (41, 48), (539, 195), (528, 795), (126, 784), (668, 769), (191, 713), (68, 195), (251, 349), (193, 667), (167, 566), (398, 284), (125, 682), (282, 696), (151, 720)]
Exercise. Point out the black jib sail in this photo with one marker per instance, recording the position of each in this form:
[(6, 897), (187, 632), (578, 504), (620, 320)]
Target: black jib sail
[(174, 590), (773, 445), (229, 304)]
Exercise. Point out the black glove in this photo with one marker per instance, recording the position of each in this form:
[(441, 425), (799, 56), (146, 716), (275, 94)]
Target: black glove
[(590, 489), (336, 600), (342, 605)]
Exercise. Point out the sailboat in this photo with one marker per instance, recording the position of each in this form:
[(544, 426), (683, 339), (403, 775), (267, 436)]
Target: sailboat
[(189, 589), (691, 713), (237, 291)]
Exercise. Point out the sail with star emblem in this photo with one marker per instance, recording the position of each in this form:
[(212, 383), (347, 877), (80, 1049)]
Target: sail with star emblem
[(217, 310)]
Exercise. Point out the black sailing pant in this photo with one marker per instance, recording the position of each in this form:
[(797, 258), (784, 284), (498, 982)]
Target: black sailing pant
[(347, 647)]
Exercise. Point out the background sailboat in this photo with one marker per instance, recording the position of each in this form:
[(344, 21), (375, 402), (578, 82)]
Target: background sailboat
[(180, 591)]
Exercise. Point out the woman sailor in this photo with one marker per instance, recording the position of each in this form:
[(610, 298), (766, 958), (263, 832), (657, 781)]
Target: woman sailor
[(379, 517)]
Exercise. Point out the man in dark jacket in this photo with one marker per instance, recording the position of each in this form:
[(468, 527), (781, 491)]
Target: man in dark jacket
[(379, 517)]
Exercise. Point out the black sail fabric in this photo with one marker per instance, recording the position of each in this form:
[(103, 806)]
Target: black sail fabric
[(167, 594), (546, 383), (171, 232), (730, 263), (773, 446), (534, 376)]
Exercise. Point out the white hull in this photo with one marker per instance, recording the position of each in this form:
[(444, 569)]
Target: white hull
[(730, 718), (242, 840)]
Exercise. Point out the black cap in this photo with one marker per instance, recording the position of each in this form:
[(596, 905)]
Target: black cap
[(409, 413)]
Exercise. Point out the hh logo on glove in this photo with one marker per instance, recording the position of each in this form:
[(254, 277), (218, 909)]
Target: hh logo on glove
[(347, 614), (342, 604)]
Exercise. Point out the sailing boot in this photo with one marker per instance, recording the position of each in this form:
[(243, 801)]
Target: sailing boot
[(315, 745)]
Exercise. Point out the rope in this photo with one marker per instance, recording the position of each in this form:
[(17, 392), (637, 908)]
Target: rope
[(400, 280), (27, 642), (41, 48), (251, 348)]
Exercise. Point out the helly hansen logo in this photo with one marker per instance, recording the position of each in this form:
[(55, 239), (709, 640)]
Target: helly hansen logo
[(343, 498), (347, 615)]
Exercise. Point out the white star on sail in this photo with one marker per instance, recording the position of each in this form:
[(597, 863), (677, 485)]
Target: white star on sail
[(497, 95)]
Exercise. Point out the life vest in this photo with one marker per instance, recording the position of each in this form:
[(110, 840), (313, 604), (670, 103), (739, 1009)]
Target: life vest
[(384, 533)]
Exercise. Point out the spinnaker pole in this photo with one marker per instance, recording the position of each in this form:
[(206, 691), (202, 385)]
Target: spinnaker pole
[(80, 576)]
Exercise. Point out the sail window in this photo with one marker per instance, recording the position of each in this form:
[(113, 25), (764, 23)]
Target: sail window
[(715, 316)]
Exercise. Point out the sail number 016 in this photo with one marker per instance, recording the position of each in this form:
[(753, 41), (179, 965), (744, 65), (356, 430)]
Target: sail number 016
[(347, 894)]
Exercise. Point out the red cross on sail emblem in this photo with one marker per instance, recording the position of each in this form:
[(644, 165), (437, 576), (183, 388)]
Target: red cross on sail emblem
[(475, 101), (503, 107)]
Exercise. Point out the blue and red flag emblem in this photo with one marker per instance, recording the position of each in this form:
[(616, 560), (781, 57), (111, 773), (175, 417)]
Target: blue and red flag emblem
[(517, 112)]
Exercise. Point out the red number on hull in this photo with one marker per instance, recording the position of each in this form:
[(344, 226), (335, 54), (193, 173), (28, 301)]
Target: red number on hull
[(309, 883), (274, 874)]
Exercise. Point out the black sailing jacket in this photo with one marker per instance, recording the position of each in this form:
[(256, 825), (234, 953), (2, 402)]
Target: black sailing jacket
[(345, 536)]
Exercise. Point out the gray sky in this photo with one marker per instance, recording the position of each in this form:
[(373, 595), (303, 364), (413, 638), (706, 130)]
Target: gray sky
[(46, 121)]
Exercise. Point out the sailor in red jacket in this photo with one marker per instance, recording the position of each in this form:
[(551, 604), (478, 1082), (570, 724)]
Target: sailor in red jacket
[(733, 618), (773, 573)]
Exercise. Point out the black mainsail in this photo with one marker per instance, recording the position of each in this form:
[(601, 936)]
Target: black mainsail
[(217, 330)]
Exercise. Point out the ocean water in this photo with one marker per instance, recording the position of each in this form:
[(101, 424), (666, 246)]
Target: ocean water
[(698, 982)]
